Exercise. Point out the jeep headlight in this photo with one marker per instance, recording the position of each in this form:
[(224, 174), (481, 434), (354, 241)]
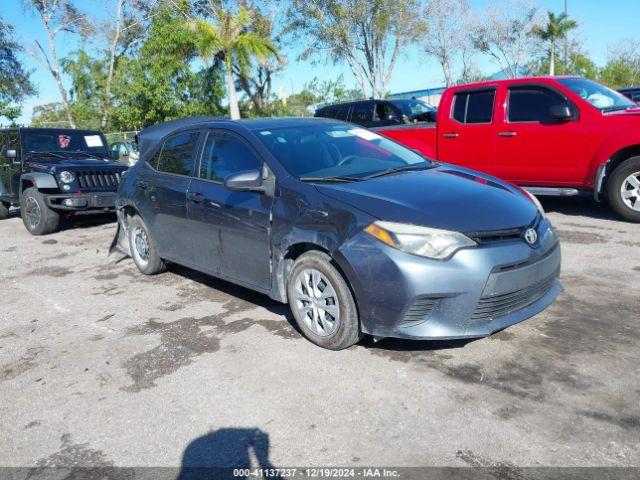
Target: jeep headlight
[(424, 241), (66, 177)]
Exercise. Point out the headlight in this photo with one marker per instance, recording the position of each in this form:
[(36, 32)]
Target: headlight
[(424, 241), (536, 202), (66, 177)]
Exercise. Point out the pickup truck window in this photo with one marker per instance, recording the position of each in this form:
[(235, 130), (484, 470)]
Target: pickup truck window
[(474, 107), (601, 97), (532, 104)]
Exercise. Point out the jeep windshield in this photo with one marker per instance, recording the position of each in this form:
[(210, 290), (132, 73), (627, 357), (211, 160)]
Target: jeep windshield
[(601, 97), (53, 145), (338, 152)]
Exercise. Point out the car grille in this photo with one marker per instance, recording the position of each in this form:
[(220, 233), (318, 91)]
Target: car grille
[(98, 179), (491, 236), (501, 305), (418, 312)]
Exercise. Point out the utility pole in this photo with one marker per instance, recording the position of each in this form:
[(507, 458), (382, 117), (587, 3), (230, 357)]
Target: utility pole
[(566, 40)]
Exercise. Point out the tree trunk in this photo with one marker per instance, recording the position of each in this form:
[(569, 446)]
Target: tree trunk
[(552, 60), (234, 111), (112, 61), (55, 71)]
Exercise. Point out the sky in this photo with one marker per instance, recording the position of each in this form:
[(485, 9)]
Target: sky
[(601, 25)]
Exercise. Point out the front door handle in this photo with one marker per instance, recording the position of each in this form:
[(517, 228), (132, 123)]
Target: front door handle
[(451, 135), (195, 197), (507, 134), (142, 184)]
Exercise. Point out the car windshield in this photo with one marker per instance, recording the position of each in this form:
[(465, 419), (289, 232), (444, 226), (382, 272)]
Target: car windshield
[(601, 97), (63, 143), (412, 108), (342, 152)]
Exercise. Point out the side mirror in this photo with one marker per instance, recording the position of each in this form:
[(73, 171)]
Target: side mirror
[(560, 112), (247, 181)]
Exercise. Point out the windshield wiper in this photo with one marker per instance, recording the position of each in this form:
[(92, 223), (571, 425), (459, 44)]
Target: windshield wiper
[(404, 168), (45, 154), (329, 179)]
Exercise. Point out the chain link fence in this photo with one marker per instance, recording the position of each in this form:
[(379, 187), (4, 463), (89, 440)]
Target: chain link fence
[(121, 136)]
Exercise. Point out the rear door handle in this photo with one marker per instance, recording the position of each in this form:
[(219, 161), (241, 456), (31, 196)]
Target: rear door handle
[(507, 134), (451, 135), (195, 197), (142, 184)]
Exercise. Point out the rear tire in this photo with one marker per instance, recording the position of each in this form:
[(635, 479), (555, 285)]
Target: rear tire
[(322, 303), (4, 210), (143, 248), (36, 216), (623, 190)]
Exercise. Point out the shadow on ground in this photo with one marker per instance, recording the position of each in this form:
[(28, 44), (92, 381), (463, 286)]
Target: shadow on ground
[(224, 453), (582, 205)]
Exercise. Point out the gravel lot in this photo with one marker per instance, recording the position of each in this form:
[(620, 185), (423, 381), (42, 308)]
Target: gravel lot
[(101, 366)]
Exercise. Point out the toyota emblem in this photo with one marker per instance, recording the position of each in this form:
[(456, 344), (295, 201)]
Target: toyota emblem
[(531, 236)]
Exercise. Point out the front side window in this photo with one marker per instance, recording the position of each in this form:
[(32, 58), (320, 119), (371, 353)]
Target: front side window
[(342, 113), (384, 111), (601, 97), (532, 104), (474, 107), (178, 153), (334, 150), (224, 154)]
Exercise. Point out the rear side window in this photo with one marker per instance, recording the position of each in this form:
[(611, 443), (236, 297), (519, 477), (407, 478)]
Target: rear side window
[(532, 104), (362, 112), (178, 153), (474, 107), (342, 113), (225, 154)]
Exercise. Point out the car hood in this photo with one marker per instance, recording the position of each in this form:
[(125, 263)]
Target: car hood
[(53, 164), (444, 197)]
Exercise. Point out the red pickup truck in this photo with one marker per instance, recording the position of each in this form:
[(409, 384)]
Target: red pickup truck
[(554, 136)]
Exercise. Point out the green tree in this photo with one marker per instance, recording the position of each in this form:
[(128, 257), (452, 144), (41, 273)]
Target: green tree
[(556, 28), (368, 36), (227, 38), (15, 82), (623, 67), (163, 80)]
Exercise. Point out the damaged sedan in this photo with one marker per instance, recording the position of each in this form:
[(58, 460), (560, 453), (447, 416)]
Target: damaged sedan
[(359, 234)]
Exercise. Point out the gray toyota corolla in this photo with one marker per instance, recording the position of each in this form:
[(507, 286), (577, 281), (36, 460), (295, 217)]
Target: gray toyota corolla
[(359, 234)]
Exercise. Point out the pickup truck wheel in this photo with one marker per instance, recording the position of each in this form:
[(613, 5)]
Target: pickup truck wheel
[(36, 216), (623, 190), (322, 303), (4, 210), (143, 248)]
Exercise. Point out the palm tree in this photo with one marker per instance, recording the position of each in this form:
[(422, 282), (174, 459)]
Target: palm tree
[(228, 38), (557, 27)]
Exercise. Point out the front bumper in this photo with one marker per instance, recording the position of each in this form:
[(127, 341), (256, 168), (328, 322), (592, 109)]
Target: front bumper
[(475, 293), (98, 201)]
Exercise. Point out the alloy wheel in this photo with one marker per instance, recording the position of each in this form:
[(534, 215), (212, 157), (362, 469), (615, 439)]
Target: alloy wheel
[(141, 245), (316, 302), (630, 191), (33, 212)]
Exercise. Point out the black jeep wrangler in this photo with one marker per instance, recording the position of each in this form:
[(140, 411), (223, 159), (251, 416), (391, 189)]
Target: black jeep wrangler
[(52, 172)]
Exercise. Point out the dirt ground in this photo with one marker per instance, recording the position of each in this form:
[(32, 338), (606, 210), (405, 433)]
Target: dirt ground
[(102, 366)]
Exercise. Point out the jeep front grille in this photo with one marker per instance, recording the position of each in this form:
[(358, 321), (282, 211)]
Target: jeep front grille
[(98, 179)]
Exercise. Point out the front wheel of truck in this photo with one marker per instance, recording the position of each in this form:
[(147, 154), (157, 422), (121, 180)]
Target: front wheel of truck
[(4, 210), (623, 190), (37, 217)]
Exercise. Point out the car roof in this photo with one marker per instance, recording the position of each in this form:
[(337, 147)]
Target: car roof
[(149, 138), (509, 81)]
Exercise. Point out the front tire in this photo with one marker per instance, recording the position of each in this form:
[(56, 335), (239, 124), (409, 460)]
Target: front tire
[(623, 190), (37, 217), (322, 303), (4, 210), (143, 248)]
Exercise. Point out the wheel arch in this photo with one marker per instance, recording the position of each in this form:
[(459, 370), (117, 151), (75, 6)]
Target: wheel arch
[(605, 169)]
